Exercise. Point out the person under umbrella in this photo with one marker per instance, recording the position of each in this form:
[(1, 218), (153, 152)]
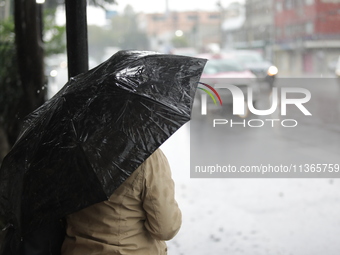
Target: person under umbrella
[(100, 132), (137, 218)]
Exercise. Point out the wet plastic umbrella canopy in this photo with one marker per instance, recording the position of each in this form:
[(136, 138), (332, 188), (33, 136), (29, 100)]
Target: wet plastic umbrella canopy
[(78, 147)]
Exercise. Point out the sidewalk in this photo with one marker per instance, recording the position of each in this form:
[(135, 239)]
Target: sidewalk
[(252, 216)]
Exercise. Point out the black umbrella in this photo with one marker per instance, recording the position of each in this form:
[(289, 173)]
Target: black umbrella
[(78, 147)]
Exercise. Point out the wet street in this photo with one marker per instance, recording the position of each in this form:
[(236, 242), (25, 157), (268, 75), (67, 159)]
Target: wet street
[(274, 213), (292, 140)]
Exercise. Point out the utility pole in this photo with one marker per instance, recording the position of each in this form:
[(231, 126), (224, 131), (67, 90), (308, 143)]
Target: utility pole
[(77, 41)]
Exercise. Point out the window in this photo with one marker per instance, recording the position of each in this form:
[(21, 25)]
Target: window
[(279, 7), (158, 17), (192, 17), (278, 32), (214, 16), (288, 31), (309, 28), (288, 4)]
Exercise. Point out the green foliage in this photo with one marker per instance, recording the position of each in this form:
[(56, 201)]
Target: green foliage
[(98, 40), (180, 41), (12, 91), (100, 37), (122, 33), (126, 29), (54, 35)]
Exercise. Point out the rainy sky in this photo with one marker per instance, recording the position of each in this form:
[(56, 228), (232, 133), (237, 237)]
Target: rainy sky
[(174, 5), (96, 16)]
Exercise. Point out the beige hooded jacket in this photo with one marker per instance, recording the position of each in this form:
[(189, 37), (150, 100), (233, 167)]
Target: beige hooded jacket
[(136, 219)]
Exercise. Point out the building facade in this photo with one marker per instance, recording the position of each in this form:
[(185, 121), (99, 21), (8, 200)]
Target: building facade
[(198, 28), (256, 27), (299, 36), (307, 35)]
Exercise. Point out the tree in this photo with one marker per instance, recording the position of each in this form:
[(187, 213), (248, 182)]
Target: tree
[(99, 39), (30, 52), (22, 78), (122, 33), (22, 50), (127, 30), (10, 87), (180, 41)]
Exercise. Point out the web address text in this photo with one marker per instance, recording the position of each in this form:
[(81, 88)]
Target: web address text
[(269, 168)]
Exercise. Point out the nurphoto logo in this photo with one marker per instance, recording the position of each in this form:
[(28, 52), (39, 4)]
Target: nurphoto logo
[(209, 93), (242, 103)]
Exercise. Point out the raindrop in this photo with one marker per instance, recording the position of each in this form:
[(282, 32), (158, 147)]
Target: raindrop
[(38, 91), (253, 232), (215, 239)]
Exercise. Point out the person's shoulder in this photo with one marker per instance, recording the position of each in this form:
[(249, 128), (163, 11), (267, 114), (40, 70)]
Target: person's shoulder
[(156, 165), (157, 157), (158, 153)]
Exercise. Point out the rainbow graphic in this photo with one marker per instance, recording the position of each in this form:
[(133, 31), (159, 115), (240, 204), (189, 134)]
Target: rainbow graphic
[(210, 94)]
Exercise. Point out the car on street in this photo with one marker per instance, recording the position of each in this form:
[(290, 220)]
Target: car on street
[(221, 70), (253, 60)]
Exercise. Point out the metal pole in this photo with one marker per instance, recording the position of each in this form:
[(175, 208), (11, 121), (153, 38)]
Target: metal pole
[(76, 32)]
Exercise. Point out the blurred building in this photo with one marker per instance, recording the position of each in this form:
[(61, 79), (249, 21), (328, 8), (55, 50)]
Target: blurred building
[(233, 17), (299, 36), (196, 29), (307, 35), (249, 25)]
